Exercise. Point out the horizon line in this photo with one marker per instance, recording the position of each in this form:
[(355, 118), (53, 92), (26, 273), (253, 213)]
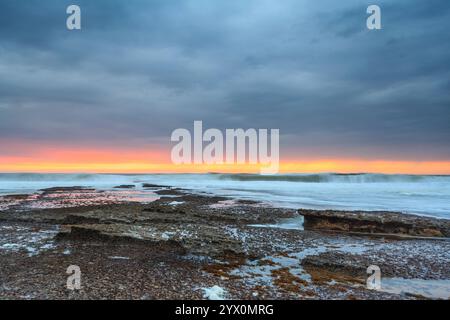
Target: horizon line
[(227, 173)]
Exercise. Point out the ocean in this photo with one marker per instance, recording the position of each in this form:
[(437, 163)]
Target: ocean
[(416, 194)]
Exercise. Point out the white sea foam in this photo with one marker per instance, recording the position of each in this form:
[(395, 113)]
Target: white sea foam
[(214, 293), (118, 258)]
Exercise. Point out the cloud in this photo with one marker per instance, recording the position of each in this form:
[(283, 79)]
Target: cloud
[(139, 69)]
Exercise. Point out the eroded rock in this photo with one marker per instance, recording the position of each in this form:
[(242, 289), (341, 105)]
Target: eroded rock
[(375, 222), (125, 186)]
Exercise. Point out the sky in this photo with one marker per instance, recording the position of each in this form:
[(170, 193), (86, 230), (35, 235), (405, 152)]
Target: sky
[(107, 97)]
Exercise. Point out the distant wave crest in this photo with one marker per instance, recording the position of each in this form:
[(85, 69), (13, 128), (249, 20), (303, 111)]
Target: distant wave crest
[(305, 178), (334, 178)]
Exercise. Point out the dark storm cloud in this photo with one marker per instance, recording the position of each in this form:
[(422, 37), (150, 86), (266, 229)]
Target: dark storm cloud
[(139, 69)]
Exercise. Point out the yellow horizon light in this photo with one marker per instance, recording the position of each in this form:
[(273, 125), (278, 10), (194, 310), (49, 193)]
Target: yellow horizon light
[(338, 166)]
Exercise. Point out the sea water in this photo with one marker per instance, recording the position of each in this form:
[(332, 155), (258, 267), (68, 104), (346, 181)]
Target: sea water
[(416, 194)]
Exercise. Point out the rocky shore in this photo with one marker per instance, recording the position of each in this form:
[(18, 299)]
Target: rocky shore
[(183, 245), (375, 223)]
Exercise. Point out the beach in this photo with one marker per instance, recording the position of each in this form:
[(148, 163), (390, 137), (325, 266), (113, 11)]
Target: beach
[(147, 240)]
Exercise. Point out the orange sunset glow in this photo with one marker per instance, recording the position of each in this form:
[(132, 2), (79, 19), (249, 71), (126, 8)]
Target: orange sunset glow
[(53, 158), (91, 161)]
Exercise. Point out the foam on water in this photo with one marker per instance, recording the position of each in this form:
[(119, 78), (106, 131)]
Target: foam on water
[(214, 293), (417, 194)]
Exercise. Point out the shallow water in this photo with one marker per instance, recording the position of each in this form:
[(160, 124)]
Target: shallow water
[(436, 289), (295, 223)]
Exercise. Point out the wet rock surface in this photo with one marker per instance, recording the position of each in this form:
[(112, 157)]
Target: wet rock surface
[(375, 222), (125, 186), (182, 243)]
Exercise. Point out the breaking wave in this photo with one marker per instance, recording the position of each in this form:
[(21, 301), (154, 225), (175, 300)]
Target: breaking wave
[(337, 177), (308, 178)]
